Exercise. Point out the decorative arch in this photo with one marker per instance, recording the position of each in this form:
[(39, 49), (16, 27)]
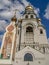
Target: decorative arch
[(28, 57), (28, 24), (29, 28)]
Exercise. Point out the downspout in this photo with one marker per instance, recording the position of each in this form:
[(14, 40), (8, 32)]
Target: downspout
[(20, 34)]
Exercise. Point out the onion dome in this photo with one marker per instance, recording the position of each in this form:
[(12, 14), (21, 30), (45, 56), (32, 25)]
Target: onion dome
[(38, 20), (14, 19), (29, 7)]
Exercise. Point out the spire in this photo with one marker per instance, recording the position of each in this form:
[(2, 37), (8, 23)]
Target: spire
[(14, 19)]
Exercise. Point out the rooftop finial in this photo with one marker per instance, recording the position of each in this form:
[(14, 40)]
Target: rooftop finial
[(15, 11), (29, 4), (14, 18)]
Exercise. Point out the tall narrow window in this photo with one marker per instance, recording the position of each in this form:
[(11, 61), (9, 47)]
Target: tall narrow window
[(31, 16), (41, 31), (44, 49), (28, 57), (26, 16)]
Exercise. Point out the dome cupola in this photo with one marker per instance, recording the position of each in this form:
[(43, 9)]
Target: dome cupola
[(29, 9)]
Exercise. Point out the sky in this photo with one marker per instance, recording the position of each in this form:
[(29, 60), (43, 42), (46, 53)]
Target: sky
[(7, 8)]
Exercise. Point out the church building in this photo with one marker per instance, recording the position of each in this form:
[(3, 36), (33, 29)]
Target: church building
[(25, 41)]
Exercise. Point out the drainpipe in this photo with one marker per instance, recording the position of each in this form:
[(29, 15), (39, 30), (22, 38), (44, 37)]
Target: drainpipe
[(20, 34)]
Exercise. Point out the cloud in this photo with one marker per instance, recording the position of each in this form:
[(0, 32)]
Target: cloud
[(37, 11), (7, 2), (3, 25), (9, 7), (1, 6), (25, 2), (4, 4), (1, 38), (6, 14), (46, 15), (48, 40)]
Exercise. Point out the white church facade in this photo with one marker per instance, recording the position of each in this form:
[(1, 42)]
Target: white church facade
[(25, 41)]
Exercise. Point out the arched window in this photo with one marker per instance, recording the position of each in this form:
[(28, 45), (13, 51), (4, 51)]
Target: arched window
[(41, 31), (28, 57), (26, 16), (31, 16), (29, 29), (44, 49)]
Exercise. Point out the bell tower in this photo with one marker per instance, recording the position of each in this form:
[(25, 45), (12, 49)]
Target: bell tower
[(32, 31), (28, 27)]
